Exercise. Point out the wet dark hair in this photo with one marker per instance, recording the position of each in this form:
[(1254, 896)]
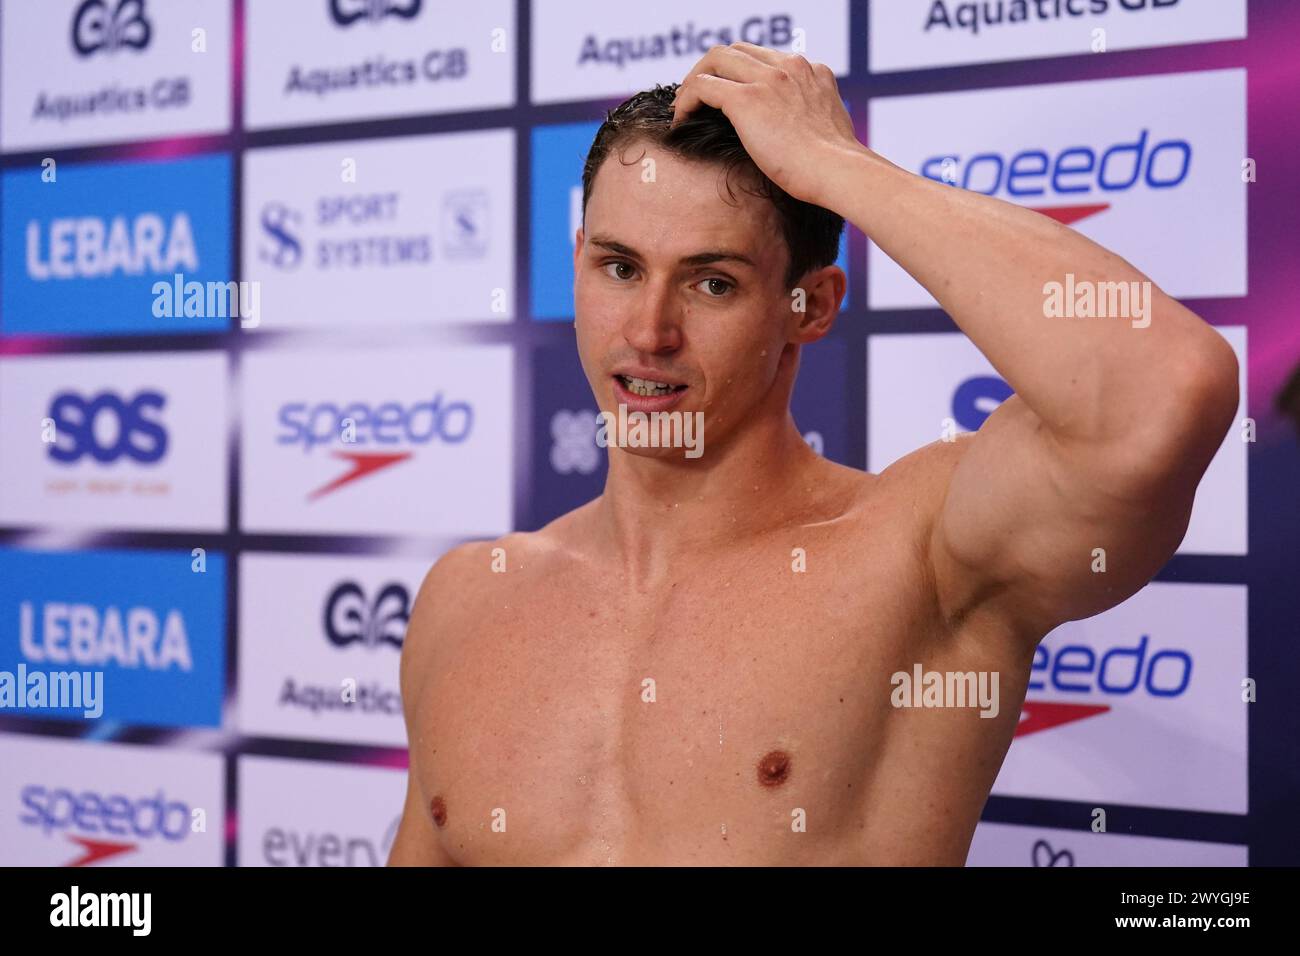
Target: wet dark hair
[(812, 234)]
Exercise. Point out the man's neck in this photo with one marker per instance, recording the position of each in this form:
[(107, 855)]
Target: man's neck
[(656, 511)]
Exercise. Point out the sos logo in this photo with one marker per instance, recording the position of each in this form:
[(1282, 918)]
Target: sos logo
[(351, 619), (106, 427)]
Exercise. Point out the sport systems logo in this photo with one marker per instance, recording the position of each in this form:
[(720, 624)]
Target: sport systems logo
[(412, 250)]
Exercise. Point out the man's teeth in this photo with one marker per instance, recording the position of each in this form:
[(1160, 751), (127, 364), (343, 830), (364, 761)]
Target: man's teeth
[(644, 386)]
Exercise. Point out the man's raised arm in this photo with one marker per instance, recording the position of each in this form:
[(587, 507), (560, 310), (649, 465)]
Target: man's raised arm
[(1114, 419)]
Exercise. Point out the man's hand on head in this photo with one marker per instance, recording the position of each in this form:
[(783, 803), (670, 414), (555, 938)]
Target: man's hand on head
[(787, 112)]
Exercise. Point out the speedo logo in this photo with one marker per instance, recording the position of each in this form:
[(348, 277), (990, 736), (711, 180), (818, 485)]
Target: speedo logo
[(1100, 676), (104, 825), (1075, 182), (372, 437)]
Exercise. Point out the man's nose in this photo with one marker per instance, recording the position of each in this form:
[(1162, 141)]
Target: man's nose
[(654, 322)]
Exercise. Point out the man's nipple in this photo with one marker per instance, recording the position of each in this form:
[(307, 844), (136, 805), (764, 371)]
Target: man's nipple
[(774, 768), (438, 810)]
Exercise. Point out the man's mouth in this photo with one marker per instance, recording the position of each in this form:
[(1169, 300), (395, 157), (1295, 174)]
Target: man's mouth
[(647, 387)]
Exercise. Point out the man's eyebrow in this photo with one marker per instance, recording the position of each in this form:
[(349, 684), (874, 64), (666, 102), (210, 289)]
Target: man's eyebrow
[(698, 259)]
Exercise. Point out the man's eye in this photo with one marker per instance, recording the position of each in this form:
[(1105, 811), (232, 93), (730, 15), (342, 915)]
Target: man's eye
[(618, 265), (716, 288)]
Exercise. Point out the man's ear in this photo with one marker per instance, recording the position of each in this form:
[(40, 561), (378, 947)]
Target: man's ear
[(577, 250), (815, 303)]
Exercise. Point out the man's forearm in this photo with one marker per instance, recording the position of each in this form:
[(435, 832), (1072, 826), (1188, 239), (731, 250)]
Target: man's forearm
[(987, 263)]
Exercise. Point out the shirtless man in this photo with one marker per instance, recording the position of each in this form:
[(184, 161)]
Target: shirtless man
[(653, 680)]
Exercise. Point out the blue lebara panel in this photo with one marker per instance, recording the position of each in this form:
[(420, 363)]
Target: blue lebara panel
[(152, 624), (98, 249), (558, 155)]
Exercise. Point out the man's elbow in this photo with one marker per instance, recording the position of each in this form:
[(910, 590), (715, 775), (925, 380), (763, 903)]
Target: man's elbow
[(1181, 442), (1213, 392)]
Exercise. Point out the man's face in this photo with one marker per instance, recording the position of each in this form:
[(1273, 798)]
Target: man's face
[(677, 282)]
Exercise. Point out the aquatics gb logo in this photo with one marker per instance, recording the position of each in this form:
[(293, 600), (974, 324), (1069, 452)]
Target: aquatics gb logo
[(347, 12), (351, 619), (96, 27)]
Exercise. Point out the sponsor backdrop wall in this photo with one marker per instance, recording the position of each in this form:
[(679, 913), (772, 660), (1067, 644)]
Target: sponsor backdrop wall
[(225, 226)]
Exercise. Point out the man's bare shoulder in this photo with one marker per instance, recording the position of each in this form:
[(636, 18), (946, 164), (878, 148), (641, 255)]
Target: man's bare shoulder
[(919, 480), (478, 571)]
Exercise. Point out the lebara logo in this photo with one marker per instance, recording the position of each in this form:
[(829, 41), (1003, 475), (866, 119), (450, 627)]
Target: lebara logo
[(405, 429), (87, 634), (351, 619), (90, 247), (1074, 183), (85, 257), (347, 12), (107, 427), (103, 825), (100, 26), (1101, 675), (151, 620)]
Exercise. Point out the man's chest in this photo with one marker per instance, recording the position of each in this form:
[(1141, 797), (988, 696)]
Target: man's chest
[(721, 720)]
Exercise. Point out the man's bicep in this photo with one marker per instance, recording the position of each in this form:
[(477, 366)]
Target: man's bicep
[(1038, 531)]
